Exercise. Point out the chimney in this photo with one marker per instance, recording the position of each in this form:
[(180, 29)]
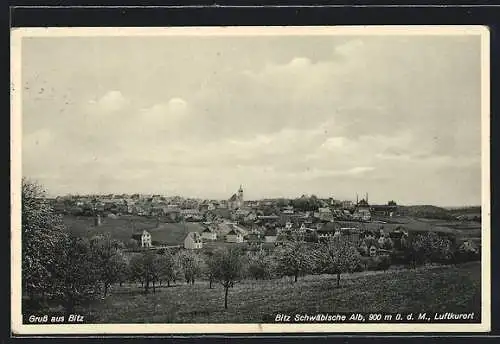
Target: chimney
[(367, 197), (357, 200)]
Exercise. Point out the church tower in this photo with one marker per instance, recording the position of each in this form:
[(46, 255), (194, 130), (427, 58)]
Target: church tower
[(240, 197)]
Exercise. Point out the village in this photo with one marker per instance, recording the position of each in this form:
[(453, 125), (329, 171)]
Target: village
[(256, 225)]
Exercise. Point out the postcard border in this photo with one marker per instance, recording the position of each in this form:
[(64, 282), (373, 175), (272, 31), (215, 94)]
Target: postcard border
[(16, 136)]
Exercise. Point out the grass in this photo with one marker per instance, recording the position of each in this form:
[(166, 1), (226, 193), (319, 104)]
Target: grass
[(122, 228), (428, 289)]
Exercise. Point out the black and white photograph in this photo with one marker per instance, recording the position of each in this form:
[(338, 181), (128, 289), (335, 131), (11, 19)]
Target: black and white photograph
[(250, 179)]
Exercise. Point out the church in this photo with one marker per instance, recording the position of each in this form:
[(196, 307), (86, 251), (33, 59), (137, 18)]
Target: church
[(236, 200)]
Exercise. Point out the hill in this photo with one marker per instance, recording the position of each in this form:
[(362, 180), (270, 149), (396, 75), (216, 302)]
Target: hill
[(427, 212)]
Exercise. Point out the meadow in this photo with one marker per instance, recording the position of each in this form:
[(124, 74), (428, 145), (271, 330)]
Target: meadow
[(122, 228), (426, 289)]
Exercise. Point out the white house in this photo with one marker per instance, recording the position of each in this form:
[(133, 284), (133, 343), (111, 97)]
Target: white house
[(234, 236), (146, 239), (193, 241), (209, 234)]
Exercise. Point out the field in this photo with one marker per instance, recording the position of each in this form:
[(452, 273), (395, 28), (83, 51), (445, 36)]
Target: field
[(121, 228), (427, 289)]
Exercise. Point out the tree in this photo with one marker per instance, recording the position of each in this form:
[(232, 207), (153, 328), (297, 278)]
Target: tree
[(208, 267), (43, 235), (259, 265), (227, 268), (338, 256), (190, 264), (110, 263), (166, 265), (144, 268), (428, 247), (75, 278), (292, 259)]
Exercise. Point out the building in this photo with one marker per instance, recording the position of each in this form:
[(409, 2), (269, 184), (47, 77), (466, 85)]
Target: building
[(193, 241), (234, 236), (236, 201), (325, 214), (144, 238), (362, 210), (209, 234), (270, 235)]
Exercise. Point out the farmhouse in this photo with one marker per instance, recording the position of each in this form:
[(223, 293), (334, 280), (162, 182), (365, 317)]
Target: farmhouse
[(193, 241), (234, 236), (383, 210), (144, 238), (209, 234), (325, 214)]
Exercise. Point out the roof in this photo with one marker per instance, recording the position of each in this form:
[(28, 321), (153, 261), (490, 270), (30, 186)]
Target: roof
[(233, 198), (232, 232), (271, 232), (329, 227), (208, 230), (194, 235)]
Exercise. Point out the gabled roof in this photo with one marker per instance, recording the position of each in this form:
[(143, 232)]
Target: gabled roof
[(208, 230), (232, 232), (233, 198), (194, 235)]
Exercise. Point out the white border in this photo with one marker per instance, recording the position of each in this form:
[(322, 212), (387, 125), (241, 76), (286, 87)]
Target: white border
[(16, 162)]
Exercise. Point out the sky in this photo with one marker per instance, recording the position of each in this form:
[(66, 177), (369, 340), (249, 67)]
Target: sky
[(398, 117)]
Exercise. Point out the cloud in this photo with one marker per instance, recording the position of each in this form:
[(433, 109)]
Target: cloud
[(110, 102), (339, 113)]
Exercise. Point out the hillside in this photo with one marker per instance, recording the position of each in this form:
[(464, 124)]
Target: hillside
[(427, 211), (257, 301), (121, 228)]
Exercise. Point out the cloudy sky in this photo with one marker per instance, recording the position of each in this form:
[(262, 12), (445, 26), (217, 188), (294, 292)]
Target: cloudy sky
[(397, 117)]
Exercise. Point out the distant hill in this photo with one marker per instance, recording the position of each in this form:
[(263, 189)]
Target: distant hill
[(465, 210), (428, 212)]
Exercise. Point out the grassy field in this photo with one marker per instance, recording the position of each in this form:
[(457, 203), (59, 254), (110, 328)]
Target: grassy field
[(122, 228), (428, 289)]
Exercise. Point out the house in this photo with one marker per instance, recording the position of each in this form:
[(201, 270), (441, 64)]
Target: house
[(325, 214), (327, 230), (362, 214), (270, 235), (369, 247), (254, 239), (234, 236), (209, 234), (193, 241), (144, 238), (469, 246), (383, 210)]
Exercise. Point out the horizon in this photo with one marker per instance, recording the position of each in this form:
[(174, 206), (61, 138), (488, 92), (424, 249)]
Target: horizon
[(289, 198), (398, 117)]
